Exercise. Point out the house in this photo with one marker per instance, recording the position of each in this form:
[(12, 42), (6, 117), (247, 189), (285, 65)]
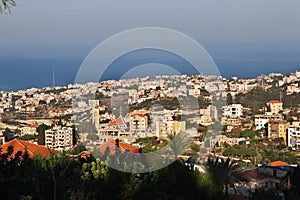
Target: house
[(265, 176), (32, 149), (275, 106)]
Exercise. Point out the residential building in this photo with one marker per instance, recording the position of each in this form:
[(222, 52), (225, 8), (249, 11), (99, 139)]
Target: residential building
[(59, 138), (138, 124), (293, 136), (261, 120), (232, 111), (278, 129), (28, 130), (275, 106)]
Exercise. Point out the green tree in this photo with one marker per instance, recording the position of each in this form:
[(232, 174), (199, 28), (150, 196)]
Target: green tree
[(229, 100), (41, 133), (248, 133)]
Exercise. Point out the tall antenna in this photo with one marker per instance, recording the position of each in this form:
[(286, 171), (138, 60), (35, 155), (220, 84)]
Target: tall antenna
[(53, 77)]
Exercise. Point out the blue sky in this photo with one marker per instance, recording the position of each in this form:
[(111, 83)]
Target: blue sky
[(231, 30)]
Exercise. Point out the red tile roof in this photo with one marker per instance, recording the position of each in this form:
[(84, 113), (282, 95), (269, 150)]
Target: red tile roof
[(140, 115), (118, 121), (32, 149), (278, 164), (274, 101), (123, 147)]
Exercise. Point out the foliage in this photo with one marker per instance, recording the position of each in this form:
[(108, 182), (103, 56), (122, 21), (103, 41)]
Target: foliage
[(41, 133), (239, 152), (5, 5), (248, 134), (66, 178)]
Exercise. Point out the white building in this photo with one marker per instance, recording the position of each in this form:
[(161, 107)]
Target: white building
[(59, 138), (293, 137), (232, 111)]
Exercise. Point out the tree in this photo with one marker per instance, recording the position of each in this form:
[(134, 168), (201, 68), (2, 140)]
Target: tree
[(222, 170), (41, 130), (248, 133), (5, 5), (229, 99)]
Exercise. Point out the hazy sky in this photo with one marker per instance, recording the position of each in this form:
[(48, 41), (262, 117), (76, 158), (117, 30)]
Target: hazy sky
[(228, 29), (72, 27)]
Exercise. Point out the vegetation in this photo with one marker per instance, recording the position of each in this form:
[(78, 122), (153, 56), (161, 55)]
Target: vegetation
[(5, 5), (88, 178)]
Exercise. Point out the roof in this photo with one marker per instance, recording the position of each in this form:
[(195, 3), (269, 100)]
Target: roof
[(111, 145), (32, 149), (118, 121), (253, 174), (278, 164), (274, 101), (140, 115)]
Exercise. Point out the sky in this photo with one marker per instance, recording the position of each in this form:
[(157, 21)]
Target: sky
[(244, 38)]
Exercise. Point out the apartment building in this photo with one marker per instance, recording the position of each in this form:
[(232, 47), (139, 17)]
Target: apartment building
[(293, 136), (261, 120), (138, 124), (59, 138), (232, 111), (277, 129)]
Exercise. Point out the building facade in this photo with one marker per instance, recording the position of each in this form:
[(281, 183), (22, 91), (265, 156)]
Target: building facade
[(59, 138)]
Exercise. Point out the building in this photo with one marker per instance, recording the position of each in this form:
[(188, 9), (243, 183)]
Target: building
[(232, 111), (2, 138), (275, 106), (28, 130), (264, 177), (138, 124), (59, 138), (278, 129), (293, 136), (261, 120)]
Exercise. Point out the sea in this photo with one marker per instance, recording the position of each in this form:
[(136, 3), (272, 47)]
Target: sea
[(24, 72)]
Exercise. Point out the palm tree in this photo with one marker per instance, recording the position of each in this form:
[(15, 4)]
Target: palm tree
[(179, 142), (5, 5), (222, 170)]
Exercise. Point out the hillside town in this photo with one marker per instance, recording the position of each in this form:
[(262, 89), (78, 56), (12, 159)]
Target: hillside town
[(254, 123)]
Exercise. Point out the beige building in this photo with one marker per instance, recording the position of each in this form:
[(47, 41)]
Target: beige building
[(28, 130), (275, 106), (138, 124), (278, 129)]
